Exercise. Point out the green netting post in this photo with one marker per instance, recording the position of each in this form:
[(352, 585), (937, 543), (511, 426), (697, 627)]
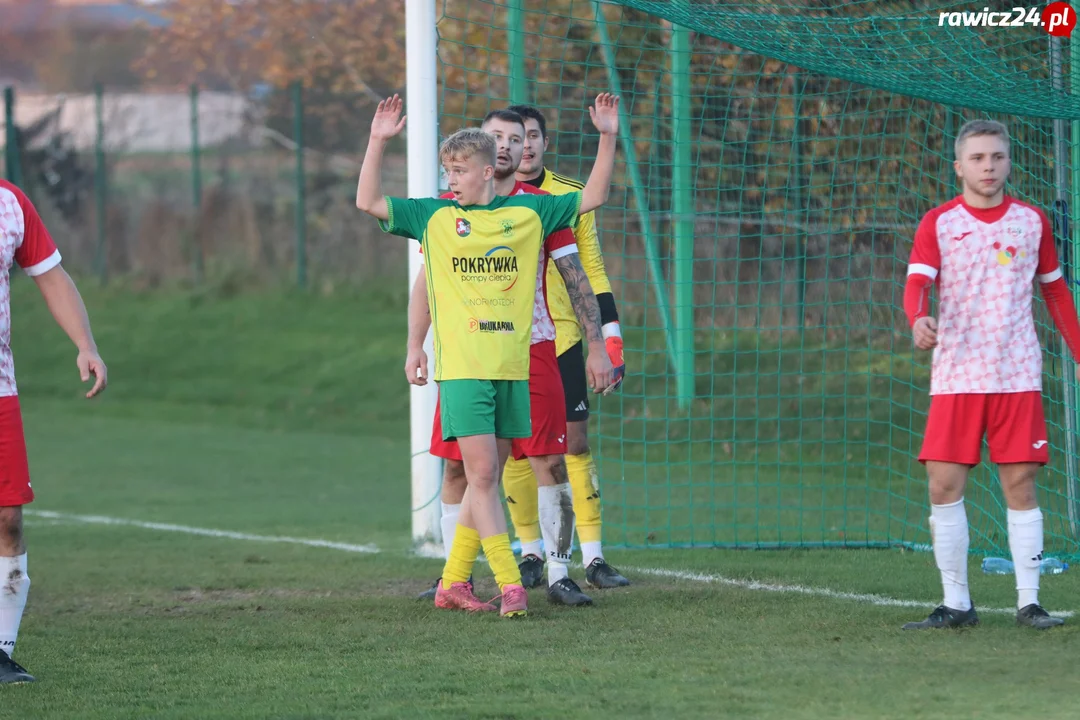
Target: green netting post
[(683, 213), (626, 140), (954, 119), (519, 92), (301, 185), (100, 184), (798, 90), (12, 166), (1072, 392), (1062, 232), (196, 186)]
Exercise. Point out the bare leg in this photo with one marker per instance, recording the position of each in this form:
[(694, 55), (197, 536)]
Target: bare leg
[(483, 458), (577, 437), (453, 483)]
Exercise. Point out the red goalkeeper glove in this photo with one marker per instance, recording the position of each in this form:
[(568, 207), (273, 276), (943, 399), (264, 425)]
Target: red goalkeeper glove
[(614, 344)]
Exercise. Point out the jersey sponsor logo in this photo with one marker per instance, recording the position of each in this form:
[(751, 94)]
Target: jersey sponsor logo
[(499, 266), (490, 302), (490, 326), (1005, 255), (464, 228)]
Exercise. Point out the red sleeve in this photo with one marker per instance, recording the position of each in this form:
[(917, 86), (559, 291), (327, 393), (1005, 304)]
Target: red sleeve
[(1059, 302), (1048, 269), (923, 269), (1055, 291), (37, 253), (560, 244), (926, 254)]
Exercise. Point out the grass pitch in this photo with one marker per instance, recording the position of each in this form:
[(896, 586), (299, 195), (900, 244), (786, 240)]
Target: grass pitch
[(284, 415)]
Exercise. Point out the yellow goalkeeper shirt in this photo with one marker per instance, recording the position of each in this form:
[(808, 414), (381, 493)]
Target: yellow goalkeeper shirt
[(481, 265), (567, 330)]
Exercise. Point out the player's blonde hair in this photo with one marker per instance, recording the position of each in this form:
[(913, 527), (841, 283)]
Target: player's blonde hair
[(976, 128), (465, 143)]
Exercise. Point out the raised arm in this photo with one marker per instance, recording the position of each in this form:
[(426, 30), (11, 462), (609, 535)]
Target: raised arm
[(387, 123), (605, 116)]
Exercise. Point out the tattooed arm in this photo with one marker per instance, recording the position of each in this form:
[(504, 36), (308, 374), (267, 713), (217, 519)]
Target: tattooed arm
[(598, 366)]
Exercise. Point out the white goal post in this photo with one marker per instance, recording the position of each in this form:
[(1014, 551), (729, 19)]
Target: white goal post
[(422, 135)]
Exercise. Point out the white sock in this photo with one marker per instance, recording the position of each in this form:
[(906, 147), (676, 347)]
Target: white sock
[(449, 526), (557, 528), (536, 547), (949, 528), (1026, 544), (14, 587), (591, 551)]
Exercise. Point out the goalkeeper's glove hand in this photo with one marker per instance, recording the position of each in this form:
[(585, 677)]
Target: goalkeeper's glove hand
[(614, 343)]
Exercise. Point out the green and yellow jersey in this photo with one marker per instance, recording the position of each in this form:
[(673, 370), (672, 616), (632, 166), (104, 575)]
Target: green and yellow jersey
[(481, 265), (567, 330)]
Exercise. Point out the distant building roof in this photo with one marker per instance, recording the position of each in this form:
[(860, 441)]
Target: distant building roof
[(38, 17)]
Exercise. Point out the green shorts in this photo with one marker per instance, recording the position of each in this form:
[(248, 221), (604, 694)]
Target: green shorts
[(485, 407)]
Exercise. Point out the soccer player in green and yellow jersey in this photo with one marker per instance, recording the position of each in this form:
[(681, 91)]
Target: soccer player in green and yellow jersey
[(519, 483), (481, 256)]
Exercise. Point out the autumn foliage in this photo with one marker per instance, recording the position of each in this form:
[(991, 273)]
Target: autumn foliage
[(348, 54)]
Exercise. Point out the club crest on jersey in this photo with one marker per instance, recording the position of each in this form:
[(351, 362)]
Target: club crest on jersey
[(1014, 230), (508, 228), (463, 227), (1005, 255)]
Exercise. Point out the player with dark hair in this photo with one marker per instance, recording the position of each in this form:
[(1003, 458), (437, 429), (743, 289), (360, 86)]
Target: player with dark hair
[(519, 483)]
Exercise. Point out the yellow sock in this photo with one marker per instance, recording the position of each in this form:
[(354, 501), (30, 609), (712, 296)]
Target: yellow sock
[(585, 488), (501, 559), (463, 554), (519, 484)]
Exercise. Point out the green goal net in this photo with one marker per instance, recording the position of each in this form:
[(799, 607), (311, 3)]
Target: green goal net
[(774, 161)]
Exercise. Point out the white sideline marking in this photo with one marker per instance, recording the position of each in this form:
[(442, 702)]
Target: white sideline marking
[(815, 591), (102, 520), (751, 585)]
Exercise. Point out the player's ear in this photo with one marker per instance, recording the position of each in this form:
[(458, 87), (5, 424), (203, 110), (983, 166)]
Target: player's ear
[(489, 172), (956, 167), (545, 143)]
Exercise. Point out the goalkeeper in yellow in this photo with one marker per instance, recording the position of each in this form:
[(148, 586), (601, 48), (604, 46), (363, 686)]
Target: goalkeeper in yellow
[(519, 483)]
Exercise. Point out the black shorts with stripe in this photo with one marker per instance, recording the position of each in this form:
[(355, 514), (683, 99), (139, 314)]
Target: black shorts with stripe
[(575, 384)]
